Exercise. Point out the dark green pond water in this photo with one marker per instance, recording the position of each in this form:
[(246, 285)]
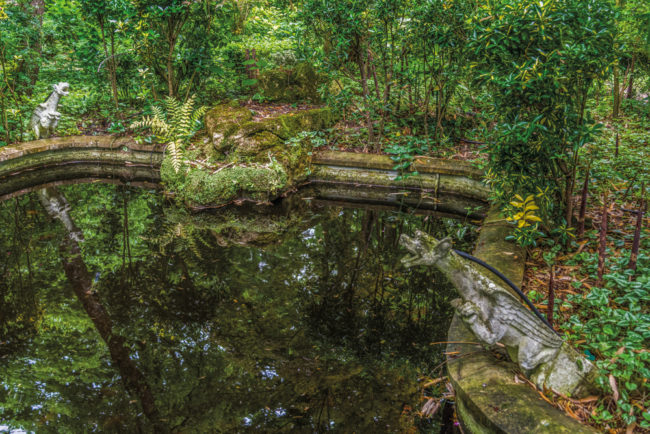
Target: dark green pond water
[(291, 318)]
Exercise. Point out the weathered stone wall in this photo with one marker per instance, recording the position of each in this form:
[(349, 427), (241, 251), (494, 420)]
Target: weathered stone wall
[(67, 159), (445, 186)]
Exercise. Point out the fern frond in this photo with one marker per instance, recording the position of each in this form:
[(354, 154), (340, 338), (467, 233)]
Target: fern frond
[(158, 126), (157, 112), (185, 121), (174, 112), (176, 155), (175, 125), (194, 248), (197, 116)]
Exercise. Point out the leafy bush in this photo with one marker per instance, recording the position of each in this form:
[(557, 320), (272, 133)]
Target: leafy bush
[(540, 59), (402, 151)]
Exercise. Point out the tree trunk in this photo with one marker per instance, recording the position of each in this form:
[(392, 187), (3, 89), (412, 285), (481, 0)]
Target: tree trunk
[(583, 205), (38, 10), (170, 70), (114, 70), (29, 66), (3, 113), (634, 253), (602, 245), (109, 62), (551, 296), (617, 94), (630, 89), (366, 93)]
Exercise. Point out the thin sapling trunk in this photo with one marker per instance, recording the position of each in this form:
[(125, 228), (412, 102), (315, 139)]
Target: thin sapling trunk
[(602, 246), (551, 296), (583, 205), (636, 243)]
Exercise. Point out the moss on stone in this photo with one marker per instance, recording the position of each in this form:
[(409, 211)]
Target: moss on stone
[(261, 164), (198, 187), (223, 121), (231, 129), (489, 399), (299, 83)]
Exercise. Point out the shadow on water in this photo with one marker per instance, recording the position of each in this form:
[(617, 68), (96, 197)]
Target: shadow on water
[(127, 314)]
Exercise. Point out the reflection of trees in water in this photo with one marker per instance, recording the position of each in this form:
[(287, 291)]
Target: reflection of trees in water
[(310, 332), (61, 378), (21, 273), (81, 281), (363, 299)]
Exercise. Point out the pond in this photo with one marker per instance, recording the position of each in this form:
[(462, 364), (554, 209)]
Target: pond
[(129, 314)]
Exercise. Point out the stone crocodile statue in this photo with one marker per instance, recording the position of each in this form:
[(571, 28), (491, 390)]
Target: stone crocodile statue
[(495, 315), (45, 117)]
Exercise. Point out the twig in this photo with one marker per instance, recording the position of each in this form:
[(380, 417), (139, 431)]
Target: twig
[(222, 167), (637, 234)]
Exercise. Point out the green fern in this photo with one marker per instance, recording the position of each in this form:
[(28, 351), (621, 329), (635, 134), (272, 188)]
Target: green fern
[(174, 126)]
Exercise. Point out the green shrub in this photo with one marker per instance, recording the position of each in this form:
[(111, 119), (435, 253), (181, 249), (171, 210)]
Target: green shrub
[(540, 59)]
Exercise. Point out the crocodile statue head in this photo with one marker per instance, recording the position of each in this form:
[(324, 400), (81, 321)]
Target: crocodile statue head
[(423, 249)]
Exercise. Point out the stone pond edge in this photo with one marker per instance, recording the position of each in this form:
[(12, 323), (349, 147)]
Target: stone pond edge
[(487, 396)]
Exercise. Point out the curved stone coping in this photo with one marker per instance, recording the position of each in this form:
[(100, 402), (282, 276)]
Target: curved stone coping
[(103, 141), (488, 400), (46, 176), (383, 162), (372, 194), (443, 186), (76, 149), (437, 178)]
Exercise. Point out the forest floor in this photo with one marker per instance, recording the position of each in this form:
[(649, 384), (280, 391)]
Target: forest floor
[(348, 136), (573, 278), (607, 318)]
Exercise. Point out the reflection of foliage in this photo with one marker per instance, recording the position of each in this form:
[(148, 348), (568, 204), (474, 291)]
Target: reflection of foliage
[(384, 310), (299, 334), (21, 314), (68, 382), (181, 238)]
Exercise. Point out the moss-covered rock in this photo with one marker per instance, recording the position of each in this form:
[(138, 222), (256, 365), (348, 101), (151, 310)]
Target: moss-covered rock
[(299, 83), (231, 128), (202, 188), (247, 159), (223, 120)]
